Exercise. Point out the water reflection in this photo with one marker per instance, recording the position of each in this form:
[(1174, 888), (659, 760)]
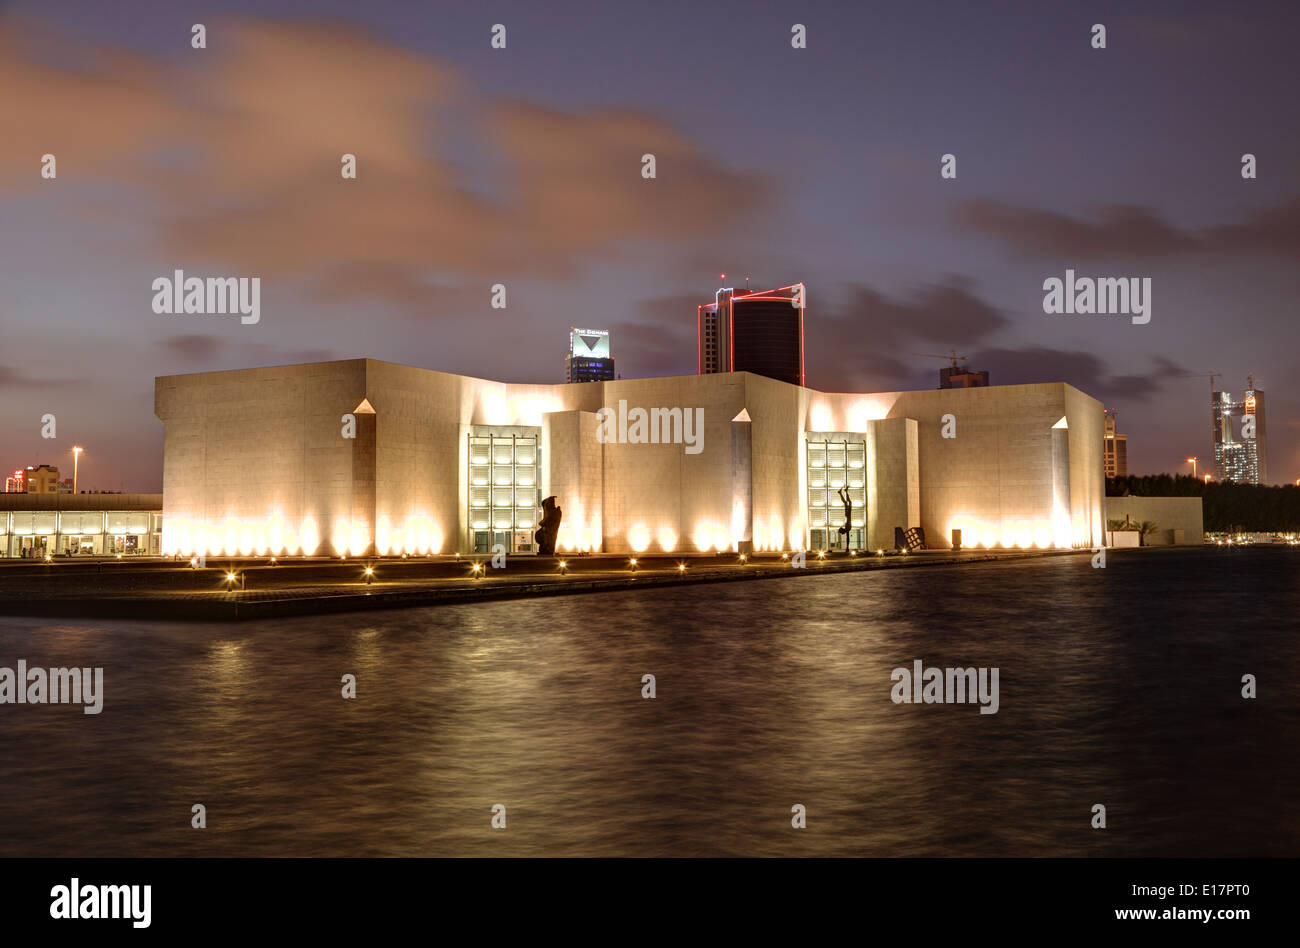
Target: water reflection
[(1118, 686)]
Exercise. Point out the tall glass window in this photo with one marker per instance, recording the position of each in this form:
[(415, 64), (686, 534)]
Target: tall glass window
[(504, 488), (837, 468)]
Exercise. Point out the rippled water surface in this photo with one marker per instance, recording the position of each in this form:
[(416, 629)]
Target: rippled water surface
[(1119, 686)]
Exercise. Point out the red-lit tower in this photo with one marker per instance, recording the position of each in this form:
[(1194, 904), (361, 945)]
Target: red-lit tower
[(759, 332)]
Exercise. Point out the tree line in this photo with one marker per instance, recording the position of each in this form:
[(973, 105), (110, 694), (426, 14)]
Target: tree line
[(1225, 506)]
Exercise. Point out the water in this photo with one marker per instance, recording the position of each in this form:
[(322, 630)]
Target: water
[(1118, 686)]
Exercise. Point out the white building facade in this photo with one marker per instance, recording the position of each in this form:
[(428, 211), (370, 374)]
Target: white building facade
[(366, 457)]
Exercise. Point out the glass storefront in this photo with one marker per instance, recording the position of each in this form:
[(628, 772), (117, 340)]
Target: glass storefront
[(28, 534), (837, 469), (504, 488)]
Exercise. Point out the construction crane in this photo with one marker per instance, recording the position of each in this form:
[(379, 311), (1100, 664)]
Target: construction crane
[(1200, 375), (954, 357)]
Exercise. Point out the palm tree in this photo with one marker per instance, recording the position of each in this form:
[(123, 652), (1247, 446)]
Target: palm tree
[(1144, 529)]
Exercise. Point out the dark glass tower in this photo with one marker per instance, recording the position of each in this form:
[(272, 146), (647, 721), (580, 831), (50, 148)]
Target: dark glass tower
[(758, 332)]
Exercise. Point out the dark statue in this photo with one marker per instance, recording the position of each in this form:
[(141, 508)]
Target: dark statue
[(548, 530), (848, 514)]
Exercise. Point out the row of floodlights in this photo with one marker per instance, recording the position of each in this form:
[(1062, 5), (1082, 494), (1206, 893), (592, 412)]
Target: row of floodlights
[(477, 571)]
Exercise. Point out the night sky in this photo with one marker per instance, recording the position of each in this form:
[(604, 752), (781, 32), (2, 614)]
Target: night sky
[(522, 166)]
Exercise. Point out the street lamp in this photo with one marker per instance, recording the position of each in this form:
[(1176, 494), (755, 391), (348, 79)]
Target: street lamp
[(1192, 462), (76, 460)]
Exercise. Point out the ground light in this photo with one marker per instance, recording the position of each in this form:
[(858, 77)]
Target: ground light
[(49, 558), (230, 580), (821, 554), (119, 556), (784, 557), (681, 567), (742, 559), (370, 575), (880, 552), (194, 562), (477, 569), (632, 564), (564, 568), (274, 561)]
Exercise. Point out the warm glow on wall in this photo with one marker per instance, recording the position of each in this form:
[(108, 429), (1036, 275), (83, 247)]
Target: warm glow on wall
[(821, 418), (494, 407), (579, 533), (275, 534), (309, 536), (638, 538), (737, 523), (863, 411), (529, 409), (1062, 529), (703, 537), (383, 536), (1043, 535), (418, 534), (358, 538), (798, 534), (667, 539), (769, 535), (1011, 534)]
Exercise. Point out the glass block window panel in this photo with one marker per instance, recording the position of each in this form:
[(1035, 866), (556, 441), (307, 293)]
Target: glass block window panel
[(836, 460)]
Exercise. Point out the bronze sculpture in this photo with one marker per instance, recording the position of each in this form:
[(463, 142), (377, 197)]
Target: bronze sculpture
[(848, 514), (548, 530)]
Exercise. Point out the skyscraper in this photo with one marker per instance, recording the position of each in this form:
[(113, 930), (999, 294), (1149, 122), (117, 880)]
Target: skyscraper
[(1240, 454), (759, 332), (1114, 448), (588, 358)]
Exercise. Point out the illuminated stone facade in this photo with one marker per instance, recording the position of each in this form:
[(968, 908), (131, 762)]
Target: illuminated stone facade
[(368, 457)]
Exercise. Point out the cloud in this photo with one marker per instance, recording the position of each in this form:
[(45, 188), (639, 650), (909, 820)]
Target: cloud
[(11, 378), (192, 346), (1130, 231), (1084, 370), (243, 153), (866, 342), (661, 341)]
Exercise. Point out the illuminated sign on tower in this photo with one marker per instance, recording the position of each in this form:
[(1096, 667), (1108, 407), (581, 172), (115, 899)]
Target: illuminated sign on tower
[(588, 358)]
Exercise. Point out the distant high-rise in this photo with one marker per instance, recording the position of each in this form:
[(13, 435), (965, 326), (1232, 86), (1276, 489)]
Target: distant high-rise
[(1239, 443), (759, 332), (1114, 448), (41, 479), (588, 358)]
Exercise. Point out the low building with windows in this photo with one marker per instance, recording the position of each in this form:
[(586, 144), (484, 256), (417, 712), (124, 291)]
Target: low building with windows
[(33, 526), (369, 457)]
